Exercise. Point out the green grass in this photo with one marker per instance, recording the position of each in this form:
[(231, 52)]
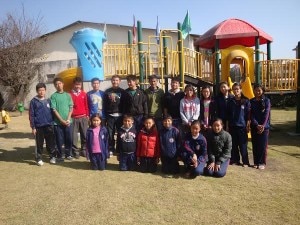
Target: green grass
[(70, 193)]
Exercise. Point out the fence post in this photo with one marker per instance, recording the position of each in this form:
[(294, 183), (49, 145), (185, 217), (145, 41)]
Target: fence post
[(298, 91)]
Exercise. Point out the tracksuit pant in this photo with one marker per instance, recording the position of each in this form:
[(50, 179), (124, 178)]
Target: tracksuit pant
[(148, 165), (127, 161), (113, 123), (63, 136), (98, 162), (169, 165), (45, 133), (239, 145), (80, 125), (259, 146)]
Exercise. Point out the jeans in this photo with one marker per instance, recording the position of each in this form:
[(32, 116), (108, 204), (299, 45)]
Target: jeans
[(222, 171), (45, 133), (63, 136), (113, 123)]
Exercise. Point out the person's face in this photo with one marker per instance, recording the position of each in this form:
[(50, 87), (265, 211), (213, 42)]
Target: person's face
[(41, 92), (174, 85), (96, 85), (127, 122), (148, 124), (167, 123), (258, 92), (96, 121), (195, 129), (131, 84), (217, 126), (77, 86), (153, 83), (205, 93), (59, 86), (224, 89), (115, 82), (189, 92), (237, 91)]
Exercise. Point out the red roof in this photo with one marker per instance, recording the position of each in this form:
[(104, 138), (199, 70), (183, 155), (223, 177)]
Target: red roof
[(232, 32)]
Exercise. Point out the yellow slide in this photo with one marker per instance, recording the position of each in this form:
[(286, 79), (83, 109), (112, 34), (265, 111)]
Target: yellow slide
[(68, 75)]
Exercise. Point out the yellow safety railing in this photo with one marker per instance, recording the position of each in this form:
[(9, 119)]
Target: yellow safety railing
[(280, 74)]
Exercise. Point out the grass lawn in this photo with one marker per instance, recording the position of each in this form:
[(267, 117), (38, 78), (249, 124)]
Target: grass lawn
[(70, 193)]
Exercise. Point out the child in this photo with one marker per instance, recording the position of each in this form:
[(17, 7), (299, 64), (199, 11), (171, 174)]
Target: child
[(126, 144), (207, 109), (169, 144), (194, 151), (41, 123), (189, 108), (79, 116), (219, 150), (136, 102), (113, 105), (97, 143), (148, 147), (221, 102), (260, 125), (239, 125), (62, 106), (155, 97), (95, 98)]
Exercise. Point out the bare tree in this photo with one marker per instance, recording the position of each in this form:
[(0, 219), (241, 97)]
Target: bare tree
[(20, 50)]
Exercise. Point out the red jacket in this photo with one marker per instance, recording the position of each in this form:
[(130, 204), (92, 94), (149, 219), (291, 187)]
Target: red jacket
[(80, 107), (148, 144)]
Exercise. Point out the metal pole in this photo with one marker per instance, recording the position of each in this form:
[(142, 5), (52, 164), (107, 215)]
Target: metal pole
[(180, 55), (165, 62), (130, 51), (217, 58), (298, 91), (141, 56), (257, 64)]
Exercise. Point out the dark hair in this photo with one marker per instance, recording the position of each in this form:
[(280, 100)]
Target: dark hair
[(262, 102), (131, 77), (94, 116), (190, 87), (177, 79), (210, 91), (196, 122), (259, 86), (57, 79), (77, 80), (218, 119), (40, 85), (243, 97), (95, 79), (152, 77), (115, 76), (167, 117), (128, 116)]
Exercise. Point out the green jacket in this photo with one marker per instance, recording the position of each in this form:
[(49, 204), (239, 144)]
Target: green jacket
[(155, 102)]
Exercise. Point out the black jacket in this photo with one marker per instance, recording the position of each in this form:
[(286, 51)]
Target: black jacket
[(137, 104), (126, 140)]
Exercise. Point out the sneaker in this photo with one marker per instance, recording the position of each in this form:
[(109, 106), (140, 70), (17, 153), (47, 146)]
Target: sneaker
[(69, 158), (261, 167), (246, 165), (111, 153), (60, 160), (52, 160), (40, 163)]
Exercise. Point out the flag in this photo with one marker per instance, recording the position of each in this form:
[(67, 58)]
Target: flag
[(105, 30), (134, 31), (157, 32), (186, 26)]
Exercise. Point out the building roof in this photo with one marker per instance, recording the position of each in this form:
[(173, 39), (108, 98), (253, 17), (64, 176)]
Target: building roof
[(232, 32)]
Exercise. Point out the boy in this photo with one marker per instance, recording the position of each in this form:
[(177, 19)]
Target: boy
[(95, 98), (169, 145), (136, 102), (155, 101), (172, 102), (79, 116), (41, 123), (113, 104), (126, 144), (62, 106)]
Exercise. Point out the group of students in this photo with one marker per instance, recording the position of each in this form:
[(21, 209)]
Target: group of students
[(206, 134)]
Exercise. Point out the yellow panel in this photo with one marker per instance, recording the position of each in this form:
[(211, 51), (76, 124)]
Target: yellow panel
[(68, 76)]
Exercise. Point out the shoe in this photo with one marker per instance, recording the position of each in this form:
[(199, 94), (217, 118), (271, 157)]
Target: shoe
[(77, 156), (261, 167), (69, 158), (52, 160), (246, 165), (40, 163), (111, 153), (60, 160), (255, 166)]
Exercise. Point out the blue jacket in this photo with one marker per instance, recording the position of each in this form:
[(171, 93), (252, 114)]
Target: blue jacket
[(196, 146), (95, 102), (238, 112), (221, 106), (169, 142), (103, 140), (40, 113), (260, 112)]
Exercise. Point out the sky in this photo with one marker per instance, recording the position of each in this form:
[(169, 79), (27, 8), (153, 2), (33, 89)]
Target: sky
[(280, 19)]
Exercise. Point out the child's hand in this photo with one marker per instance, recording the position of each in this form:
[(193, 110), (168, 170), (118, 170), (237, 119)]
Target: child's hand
[(157, 160), (211, 166), (138, 160), (217, 168), (34, 131)]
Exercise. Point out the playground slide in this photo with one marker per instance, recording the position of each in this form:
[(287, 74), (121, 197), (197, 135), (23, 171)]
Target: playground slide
[(68, 76), (246, 87)]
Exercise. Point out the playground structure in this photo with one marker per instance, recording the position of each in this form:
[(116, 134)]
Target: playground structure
[(202, 66)]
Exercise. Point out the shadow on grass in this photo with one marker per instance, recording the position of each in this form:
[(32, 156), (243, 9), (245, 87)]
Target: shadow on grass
[(16, 135)]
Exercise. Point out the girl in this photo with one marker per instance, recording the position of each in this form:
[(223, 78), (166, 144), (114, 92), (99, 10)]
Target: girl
[(219, 150), (148, 148), (189, 108), (239, 125), (97, 143), (194, 151), (207, 109), (260, 124), (221, 102)]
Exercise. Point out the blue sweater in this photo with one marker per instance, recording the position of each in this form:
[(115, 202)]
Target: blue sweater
[(103, 140), (40, 114), (260, 112), (238, 112), (221, 106), (196, 146), (169, 142), (95, 102)]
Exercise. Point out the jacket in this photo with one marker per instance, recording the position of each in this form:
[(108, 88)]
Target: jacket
[(211, 113), (126, 140), (260, 112), (137, 104), (103, 140), (219, 146), (196, 146), (238, 112), (155, 102), (171, 103), (169, 142), (221, 105), (40, 113), (148, 144)]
